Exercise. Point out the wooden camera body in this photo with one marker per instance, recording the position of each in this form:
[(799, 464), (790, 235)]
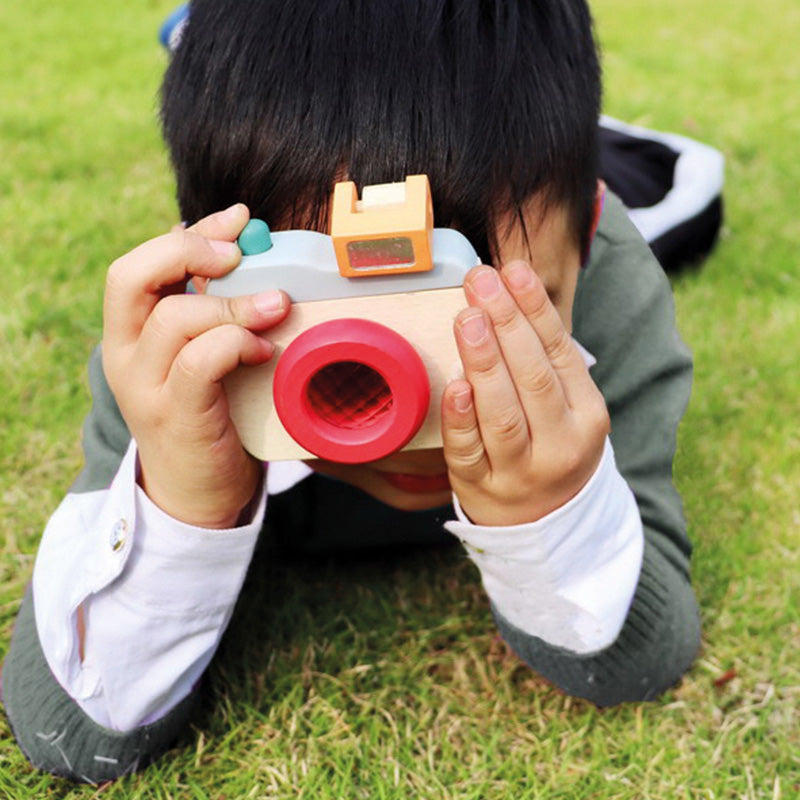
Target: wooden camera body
[(362, 359)]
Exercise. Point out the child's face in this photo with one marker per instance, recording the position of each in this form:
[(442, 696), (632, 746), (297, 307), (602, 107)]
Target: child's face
[(414, 480)]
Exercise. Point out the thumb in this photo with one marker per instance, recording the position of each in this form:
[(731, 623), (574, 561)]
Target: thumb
[(223, 225)]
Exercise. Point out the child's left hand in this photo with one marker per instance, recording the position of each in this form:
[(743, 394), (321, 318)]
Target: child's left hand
[(526, 430)]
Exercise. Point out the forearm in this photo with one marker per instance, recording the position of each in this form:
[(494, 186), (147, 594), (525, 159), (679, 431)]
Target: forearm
[(156, 597), (155, 594), (586, 600), (567, 578), (151, 632)]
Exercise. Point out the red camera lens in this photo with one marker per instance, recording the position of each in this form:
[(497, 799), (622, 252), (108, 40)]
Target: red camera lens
[(351, 390)]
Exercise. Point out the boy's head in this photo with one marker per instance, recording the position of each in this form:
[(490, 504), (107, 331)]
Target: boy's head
[(497, 101)]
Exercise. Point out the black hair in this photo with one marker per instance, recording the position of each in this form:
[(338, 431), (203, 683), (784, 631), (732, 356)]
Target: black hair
[(269, 102)]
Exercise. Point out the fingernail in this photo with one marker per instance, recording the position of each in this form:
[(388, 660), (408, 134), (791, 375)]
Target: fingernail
[(518, 274), (225, 249), (462, 401), (485, 284), (473, 329), (266, 302)]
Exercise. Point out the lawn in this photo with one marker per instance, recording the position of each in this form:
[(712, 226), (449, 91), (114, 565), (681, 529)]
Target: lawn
[(381, 680)]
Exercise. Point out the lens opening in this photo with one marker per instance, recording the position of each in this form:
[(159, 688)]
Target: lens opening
[(349, 395)]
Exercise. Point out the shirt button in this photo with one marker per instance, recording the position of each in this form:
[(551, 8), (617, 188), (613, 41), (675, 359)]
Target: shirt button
[(119, 535)]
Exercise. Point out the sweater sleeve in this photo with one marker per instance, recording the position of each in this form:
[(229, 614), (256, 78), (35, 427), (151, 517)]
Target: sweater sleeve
[(53, 731), (624, 315)]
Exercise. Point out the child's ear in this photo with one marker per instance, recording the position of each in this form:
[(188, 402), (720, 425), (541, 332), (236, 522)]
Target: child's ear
[(599, 202), (597, 212)]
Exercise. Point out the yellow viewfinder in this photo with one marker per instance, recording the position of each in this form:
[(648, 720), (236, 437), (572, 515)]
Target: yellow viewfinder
[(388, 231)]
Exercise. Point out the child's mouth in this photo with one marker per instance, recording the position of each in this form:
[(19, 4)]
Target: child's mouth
[(417, 484)]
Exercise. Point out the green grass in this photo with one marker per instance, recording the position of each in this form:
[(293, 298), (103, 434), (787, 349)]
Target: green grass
[(382, 677)]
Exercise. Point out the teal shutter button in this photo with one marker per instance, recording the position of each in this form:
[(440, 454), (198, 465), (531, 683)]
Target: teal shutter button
[(255, 238)]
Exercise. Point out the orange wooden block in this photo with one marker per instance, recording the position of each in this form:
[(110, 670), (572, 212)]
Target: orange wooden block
[(388, 231)]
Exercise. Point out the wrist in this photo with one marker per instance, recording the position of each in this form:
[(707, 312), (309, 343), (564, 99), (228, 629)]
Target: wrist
[(506, 504), (222, 507), (482, 510)]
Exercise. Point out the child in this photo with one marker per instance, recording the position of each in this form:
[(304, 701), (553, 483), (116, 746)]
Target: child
[(581, 547)]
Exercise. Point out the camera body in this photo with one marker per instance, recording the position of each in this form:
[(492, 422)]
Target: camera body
[(363, 357)]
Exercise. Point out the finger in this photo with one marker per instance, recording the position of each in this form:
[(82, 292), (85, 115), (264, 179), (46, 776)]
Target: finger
[(139, 279), (223, 225), (199, 368), (463, 447), (531, 297), (199, 284), (536, 382), (501, 419), (178, 319)]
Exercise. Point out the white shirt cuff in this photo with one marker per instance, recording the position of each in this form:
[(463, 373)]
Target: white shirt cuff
[(180, 569), (569, 577)]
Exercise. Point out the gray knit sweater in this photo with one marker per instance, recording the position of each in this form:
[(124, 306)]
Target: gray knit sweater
[(624, 316)]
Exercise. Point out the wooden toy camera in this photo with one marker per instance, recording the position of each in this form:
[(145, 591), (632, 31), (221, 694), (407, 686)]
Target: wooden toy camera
[(362, 359)]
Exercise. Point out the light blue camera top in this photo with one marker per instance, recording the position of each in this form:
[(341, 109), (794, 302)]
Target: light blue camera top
[(303, 264)]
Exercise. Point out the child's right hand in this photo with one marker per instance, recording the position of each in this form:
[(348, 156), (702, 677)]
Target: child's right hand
[(165, 354)]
